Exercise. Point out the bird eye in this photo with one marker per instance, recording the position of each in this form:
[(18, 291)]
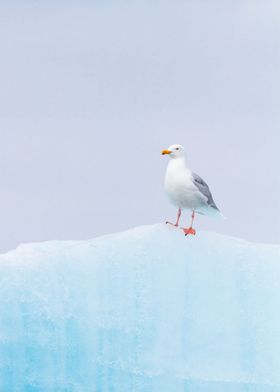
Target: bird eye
[(177, 148)]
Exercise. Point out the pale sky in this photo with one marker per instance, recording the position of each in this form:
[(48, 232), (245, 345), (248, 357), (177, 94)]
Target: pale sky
[(91, 93)]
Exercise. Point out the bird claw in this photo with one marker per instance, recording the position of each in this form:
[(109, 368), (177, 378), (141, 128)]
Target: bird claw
[(190, 230)]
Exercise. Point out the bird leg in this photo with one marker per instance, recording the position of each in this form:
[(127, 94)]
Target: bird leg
[(178, 218), (190, 230)]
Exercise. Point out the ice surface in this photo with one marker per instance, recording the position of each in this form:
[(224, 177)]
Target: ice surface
[(144, 310)]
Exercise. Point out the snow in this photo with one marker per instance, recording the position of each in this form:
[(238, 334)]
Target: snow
[(143, 310)]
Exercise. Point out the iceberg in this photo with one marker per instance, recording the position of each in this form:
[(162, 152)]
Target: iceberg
[(143, 310)]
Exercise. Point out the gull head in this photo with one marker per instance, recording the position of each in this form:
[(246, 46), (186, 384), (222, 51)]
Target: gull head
[(174, 151)]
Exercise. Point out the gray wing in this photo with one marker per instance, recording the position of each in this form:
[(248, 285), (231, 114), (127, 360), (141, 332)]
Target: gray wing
[(204, 189)]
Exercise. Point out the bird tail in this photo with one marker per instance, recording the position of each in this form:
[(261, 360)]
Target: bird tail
[(220, 215), (214, 212)]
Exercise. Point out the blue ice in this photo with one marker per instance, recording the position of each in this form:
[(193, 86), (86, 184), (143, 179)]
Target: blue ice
[(142, 310)]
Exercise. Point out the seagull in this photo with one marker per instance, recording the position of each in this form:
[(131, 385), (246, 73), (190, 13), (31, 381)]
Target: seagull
[(185, 189)]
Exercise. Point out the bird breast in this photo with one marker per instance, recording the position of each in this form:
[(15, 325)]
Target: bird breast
[(179, 186)]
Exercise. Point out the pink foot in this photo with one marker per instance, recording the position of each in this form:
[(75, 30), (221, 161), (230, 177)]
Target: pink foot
[(190, 230), (172, 224)]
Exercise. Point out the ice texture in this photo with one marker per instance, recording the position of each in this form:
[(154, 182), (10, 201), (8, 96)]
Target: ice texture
[(143, 310)]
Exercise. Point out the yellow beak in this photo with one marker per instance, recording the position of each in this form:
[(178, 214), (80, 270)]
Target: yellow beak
[(164, 152)]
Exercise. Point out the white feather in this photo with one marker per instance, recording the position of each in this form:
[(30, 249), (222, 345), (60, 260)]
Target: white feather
[(180, 187)]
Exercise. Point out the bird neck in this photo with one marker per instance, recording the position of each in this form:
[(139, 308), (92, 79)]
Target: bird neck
[(177, 164)]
